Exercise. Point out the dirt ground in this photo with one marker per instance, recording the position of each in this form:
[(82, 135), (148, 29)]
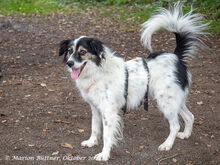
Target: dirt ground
[(42, 116)]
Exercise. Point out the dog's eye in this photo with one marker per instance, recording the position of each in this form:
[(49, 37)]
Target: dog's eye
[(82, 52)]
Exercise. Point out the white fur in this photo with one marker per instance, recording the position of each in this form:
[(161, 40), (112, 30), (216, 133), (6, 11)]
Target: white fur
[(106, 97), (103, 86), (173, 20)]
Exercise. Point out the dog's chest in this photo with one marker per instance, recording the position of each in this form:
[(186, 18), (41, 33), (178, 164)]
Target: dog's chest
[(91, 90), (104, 91)]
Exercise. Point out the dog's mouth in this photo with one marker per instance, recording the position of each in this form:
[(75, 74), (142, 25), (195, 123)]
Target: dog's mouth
[(76, 72)]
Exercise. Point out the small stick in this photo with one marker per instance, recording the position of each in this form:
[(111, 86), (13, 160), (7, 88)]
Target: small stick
[(166, 158)]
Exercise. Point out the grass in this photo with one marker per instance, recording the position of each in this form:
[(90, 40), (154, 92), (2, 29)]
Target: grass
[(133, 12), (29, 7)]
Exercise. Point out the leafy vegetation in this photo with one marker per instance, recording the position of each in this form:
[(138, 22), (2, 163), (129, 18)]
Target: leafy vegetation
[(122, 10)]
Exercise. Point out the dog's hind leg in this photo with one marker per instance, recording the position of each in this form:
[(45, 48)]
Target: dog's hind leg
[(170, 109), (96, 129), (174, 128), (188, 119), (112, 131)]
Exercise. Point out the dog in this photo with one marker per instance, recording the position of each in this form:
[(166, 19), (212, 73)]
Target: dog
[(109, 84)]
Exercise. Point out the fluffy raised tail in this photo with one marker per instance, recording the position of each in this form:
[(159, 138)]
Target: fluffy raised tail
[(186, 28)]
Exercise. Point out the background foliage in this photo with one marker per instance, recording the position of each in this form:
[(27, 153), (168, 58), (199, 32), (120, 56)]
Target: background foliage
[(135, 10)]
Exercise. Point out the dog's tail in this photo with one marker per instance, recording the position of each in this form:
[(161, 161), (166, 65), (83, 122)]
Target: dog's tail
[(186, 28)]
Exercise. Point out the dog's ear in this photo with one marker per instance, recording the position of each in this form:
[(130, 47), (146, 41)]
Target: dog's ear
[(97, 47), (64, 47)]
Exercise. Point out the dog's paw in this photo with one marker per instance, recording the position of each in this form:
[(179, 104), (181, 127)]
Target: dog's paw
[(164, 147), (182, 135), (102, 157), (89, 143)]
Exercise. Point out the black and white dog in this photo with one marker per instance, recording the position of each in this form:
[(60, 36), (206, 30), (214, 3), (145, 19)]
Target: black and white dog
[(108, 83)]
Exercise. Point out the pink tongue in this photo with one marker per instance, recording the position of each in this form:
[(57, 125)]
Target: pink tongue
[(75, 73)]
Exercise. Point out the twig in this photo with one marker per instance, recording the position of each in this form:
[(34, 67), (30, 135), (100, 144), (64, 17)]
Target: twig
[(60, 121), (172, 156)]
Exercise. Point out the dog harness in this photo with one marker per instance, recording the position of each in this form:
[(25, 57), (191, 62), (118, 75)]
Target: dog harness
[(124, 108)]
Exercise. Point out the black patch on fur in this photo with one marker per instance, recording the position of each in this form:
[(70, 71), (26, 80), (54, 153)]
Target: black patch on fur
[(64, 45), (146, 93), (124, 108), (183, 44), (93, 46), (181, 69), (181, 74), (154, 55)]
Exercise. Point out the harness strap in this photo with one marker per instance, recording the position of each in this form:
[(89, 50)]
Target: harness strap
[(146, 94), (126, 90)]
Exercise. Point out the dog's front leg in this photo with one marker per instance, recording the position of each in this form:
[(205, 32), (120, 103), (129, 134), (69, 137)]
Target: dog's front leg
[(112, 129), (96, 129)]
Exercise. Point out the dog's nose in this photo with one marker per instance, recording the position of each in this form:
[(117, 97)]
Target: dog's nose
[(70, 63)]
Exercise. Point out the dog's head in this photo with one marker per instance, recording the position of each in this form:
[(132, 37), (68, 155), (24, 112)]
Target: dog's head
[(81, 52)]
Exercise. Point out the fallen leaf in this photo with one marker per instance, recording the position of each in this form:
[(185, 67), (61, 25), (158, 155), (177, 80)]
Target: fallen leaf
[(200, 103), (141, 147), (127, 152), (66, 145), (71, 131), (174, 160), (81, 130), (199, 122), (51, 90), (55, 153), (43, 84), (4, 121), (31, 145), (190, 163), (69, 154), (27, 96)]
